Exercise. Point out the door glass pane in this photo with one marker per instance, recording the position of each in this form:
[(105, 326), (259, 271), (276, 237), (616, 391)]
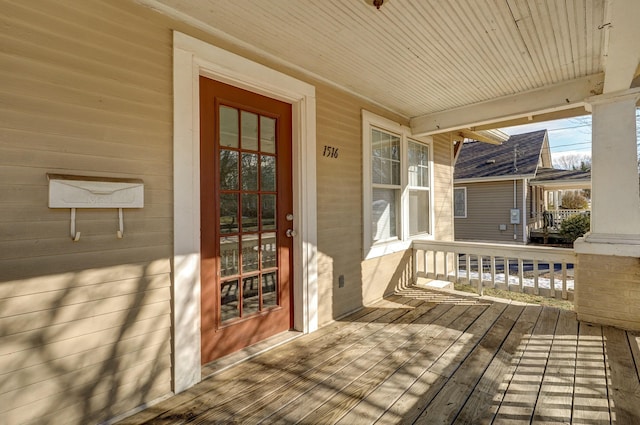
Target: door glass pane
[(250, 295), (229, 255), (268, 219), (418, 212), (228, 169), (249, 212), (228, 127), (268, 173), (267, 134), (269, 290), (249, 253), (249, 130), (229, 213), (268, 250), (249, 171), (229, 300)]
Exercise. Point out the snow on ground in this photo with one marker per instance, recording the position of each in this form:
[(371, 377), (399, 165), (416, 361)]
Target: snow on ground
[(543, 282)]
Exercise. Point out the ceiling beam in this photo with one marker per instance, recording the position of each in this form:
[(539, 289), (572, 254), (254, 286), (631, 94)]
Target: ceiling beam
[(481, 137), (622, 55), (557, 97), (532, 119)]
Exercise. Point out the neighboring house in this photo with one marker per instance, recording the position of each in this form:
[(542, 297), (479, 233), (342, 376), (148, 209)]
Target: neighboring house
[(501, 191), (182, 178)]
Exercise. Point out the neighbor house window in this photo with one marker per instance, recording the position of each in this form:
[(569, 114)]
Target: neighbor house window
[(460, 202), (397, 186)]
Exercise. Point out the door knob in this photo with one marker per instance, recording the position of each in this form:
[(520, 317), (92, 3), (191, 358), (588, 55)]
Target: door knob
[(291, 233)]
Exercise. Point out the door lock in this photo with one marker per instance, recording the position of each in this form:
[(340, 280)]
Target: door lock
[(291, 233)]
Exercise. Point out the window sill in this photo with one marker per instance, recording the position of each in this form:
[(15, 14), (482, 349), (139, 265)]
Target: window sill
[(391, 247)]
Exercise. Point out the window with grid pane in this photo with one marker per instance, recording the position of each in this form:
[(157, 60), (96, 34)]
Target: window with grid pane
[(418, 182), (385, 168)]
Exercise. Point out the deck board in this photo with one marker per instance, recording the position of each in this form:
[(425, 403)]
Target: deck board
[(522, 393), (554, 401), (591, 403), (425, 356), (624, 385)]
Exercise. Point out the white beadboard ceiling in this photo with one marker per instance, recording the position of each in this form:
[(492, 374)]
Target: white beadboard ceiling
[(420, 57)]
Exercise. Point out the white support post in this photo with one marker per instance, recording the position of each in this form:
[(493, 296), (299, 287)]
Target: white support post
[(615, 198)]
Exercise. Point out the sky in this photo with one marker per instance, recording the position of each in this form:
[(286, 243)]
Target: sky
[(570, 136), (567, 137)]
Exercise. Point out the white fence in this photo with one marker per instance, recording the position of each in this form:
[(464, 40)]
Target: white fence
[(556, 217), (534, 270)]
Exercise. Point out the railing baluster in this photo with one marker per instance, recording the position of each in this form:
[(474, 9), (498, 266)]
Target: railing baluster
[(552, 279), (414, 266), (520, 274), (456, 267), (446, 266), (493, 271), (468, 264), (536, 288), (480, 285), (506, 272), (564, 281)]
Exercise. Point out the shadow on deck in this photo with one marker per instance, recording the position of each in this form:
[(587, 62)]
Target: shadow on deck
[(423, 356)]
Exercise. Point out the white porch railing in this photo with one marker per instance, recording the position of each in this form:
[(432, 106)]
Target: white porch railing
[(556, 217), (534, 270)]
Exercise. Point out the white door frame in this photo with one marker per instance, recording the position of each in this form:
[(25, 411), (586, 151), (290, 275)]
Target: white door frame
[(192, 58)]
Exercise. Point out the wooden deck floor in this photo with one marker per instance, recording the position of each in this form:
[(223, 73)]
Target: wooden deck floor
[(428, 357)]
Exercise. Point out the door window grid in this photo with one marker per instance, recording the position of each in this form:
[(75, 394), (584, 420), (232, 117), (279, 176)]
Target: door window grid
[(247, 213)]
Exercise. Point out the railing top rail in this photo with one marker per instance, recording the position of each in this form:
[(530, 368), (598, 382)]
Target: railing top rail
[(500, 250)]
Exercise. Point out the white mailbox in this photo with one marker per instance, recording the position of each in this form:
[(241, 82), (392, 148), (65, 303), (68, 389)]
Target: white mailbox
[(70, 191)]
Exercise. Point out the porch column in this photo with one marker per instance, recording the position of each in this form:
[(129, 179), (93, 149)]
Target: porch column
[(615, 210), (608, 266)]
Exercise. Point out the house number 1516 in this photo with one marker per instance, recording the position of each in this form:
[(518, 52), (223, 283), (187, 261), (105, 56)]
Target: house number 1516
[(330, 152)]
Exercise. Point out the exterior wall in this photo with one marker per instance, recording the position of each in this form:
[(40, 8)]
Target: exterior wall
[(488, 206), (84, 326), (608, 290)]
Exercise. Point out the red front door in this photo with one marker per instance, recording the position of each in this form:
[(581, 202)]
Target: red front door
[(246, 210)]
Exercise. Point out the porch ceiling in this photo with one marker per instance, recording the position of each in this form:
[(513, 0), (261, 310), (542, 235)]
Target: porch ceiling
[(443, 64)]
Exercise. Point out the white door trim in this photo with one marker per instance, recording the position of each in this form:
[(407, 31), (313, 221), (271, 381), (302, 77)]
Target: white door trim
[(192, 58)]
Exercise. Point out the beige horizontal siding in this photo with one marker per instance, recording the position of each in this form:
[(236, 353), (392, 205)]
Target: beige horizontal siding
[(340, 220), (443, 187), (488, 206), (84, 326), (339, 190)]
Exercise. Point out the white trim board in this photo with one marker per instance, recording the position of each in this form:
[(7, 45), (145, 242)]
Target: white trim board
[(192, 58)]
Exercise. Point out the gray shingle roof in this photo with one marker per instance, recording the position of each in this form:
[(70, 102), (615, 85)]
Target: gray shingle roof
[(552, 174), (477, 159)]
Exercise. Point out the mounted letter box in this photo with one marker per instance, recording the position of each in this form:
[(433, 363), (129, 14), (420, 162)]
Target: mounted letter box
[(67, 191)]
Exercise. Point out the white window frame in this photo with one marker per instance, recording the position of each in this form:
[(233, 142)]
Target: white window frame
[(465, 202), (192, 58), (409, 188), (403, 240)]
